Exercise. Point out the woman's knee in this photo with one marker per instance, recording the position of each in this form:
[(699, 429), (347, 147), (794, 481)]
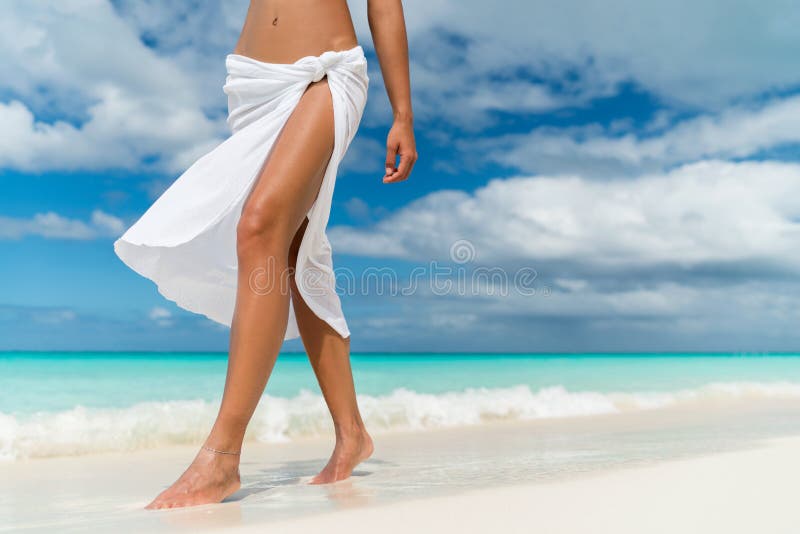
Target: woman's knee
[(260, 226)]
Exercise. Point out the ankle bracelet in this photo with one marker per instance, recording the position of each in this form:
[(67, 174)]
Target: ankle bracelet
[(219, 451)]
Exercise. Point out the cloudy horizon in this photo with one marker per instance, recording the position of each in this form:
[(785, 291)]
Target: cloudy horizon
[(642, 160)]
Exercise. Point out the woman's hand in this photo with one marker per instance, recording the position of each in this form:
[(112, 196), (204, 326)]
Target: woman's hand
[(400, 142)]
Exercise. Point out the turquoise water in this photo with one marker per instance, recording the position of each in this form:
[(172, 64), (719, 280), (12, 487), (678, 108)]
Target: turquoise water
[(57, 403), (31, 382)]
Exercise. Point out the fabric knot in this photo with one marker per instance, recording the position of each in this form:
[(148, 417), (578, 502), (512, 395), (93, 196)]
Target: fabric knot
[(323, 63)]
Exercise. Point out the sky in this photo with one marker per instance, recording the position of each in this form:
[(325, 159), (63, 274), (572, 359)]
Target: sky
[(592, 176)]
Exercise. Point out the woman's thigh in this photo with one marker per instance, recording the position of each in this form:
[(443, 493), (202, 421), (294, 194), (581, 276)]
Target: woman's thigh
[(290, 178)]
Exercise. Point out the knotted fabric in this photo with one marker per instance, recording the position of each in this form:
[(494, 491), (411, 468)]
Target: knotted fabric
[(186, 241), (323, 63)]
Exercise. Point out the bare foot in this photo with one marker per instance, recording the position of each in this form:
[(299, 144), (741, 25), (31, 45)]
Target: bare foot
[(209, 479), (349, 452)]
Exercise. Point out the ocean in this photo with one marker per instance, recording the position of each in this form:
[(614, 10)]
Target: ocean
[(72, 403)]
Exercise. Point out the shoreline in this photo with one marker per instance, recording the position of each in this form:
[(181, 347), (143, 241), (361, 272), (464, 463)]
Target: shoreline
[(736, 492), (501, 471)]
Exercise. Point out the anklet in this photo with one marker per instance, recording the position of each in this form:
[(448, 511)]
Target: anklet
[(220, 452)]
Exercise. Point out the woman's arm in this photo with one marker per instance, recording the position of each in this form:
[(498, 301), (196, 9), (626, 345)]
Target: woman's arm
[(387, 24)]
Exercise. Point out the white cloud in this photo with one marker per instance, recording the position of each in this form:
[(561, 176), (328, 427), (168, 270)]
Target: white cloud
[(544, 57), (357, 209), (364, 155), (704, 213), (737, 132), (749, 315), (122, 104), (51, 225), (53, 316), (703, 54), (103, 221), (571, 284), (161, 316), (71, 45), (86, 93), (194, 35), (159, 313)]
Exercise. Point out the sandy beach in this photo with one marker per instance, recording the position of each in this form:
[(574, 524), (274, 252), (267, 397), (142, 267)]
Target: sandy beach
[(545, 254), (734, 492), (683, 471)]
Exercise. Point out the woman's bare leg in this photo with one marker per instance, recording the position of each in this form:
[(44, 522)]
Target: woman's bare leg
[(329, 354), (274, 210)]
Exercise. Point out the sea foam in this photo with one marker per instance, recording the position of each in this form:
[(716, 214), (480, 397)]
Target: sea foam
[(84, 430)]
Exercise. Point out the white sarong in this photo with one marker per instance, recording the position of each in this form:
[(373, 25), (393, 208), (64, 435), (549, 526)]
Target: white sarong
[(186, 241)]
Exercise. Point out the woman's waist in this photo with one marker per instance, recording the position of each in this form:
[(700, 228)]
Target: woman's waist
[(283, 54), (283, 32)]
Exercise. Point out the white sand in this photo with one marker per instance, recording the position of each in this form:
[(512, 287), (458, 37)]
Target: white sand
[(548, 477), (737, 492)]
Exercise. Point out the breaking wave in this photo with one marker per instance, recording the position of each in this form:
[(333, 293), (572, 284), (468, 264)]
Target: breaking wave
[(84, 430)]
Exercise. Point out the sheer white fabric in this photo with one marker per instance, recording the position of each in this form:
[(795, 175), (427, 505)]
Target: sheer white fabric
[(186, 241)]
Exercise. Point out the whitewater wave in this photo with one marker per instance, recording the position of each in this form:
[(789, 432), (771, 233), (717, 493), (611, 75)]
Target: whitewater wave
[(83, 430)]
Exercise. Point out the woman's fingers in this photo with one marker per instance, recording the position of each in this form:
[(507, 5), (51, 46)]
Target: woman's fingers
[(391, 170), (403, 170), (391, 156)]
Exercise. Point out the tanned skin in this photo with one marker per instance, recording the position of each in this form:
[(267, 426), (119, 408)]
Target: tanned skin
[(271, 226)]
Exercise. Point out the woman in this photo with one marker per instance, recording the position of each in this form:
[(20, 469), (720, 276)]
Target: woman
[(250, 215)]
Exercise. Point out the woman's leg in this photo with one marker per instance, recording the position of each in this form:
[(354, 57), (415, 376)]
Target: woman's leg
[(284, 192), (329, 354)]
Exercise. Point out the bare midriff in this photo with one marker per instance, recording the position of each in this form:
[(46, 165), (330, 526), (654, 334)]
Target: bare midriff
[(283, 31)]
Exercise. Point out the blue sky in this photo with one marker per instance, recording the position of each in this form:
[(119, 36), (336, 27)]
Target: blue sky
[(640, 161)]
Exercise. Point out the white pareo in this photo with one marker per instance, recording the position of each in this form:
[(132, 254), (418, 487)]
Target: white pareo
[(186, 241)]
